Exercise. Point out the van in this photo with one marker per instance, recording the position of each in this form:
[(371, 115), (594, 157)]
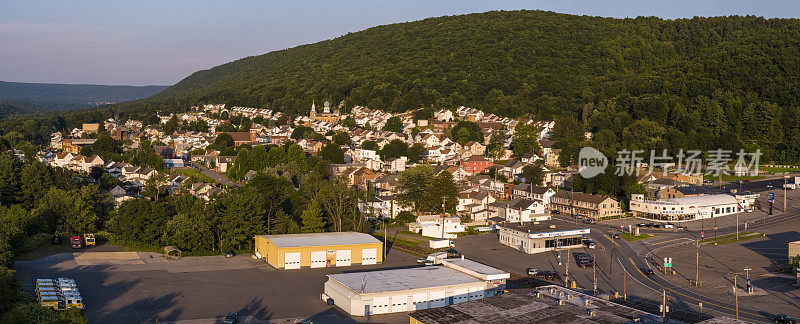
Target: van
[(668, 225)]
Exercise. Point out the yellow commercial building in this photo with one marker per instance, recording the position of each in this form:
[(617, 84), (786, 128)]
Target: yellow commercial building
[(318, 250)]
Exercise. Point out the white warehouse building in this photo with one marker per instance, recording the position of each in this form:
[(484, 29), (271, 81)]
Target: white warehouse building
[(691, 208), (401, 290)]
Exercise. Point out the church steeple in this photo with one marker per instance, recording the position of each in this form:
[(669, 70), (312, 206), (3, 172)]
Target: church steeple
[(313, 109)]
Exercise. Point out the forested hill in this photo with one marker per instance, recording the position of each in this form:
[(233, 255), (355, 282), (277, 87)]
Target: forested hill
[(704, 83), (72, 96)]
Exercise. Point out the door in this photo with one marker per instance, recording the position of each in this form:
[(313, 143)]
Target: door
[(420, 301), (291, 260), (369, 256), (317, 259), (343, 258), (380, 305), (437, 299), (460, 296), (475, 293), (399, 303)]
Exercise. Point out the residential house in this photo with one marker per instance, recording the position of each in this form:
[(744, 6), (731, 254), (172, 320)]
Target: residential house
[(585, 205), (437, 226), (476, 164), (537, 193)]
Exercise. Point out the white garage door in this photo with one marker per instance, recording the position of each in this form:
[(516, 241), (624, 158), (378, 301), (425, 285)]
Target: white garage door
[(369, 256), (291, 260), (380, 305), (343, 258), (420, 301), (437, 299), (399, 303), (475, 293), (460, 296), (317, 259)]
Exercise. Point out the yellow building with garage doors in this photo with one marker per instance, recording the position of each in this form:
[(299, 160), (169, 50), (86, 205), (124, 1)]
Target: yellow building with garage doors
[(318, 250)]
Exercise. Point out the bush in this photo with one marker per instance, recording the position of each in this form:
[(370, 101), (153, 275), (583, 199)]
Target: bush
[(27, 243), (405, 217)]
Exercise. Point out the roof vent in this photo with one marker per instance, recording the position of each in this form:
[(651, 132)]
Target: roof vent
[(561, 302), (591, 313)]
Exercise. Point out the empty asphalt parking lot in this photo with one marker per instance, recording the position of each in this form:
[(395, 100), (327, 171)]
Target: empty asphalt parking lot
[(135, 288)]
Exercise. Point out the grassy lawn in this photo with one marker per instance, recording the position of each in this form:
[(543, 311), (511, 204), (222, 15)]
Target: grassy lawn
[(196, 174), (407, 245), (631, 237), (730, 238), (779, 169), (730, 177)]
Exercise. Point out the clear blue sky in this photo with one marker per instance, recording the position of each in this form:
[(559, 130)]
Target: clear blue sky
[(161, 42)]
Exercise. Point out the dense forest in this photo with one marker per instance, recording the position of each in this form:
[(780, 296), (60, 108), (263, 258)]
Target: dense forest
[(720, 82)]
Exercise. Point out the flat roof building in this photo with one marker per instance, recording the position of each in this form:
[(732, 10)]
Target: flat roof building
[(545, 304), (318, 250), (537, 237), (690, 207), (401, 290)]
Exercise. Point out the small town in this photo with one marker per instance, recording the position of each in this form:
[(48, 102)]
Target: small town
[(351, 180)]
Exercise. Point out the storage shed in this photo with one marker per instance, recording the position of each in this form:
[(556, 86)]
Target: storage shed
[(318, 250)]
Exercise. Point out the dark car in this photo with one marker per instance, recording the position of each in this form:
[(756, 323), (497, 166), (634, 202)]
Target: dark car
[(232, 318), (641, 225), (784, 319), (615, 235), (452, 253), (648, 271), (550, 275)]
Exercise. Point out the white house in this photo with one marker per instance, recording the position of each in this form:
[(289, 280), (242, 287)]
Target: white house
[(431, 226)]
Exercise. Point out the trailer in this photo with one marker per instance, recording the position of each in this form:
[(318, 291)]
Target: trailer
[(440, 243)]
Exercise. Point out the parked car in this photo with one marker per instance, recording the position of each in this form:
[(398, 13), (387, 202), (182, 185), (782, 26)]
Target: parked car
[(784, 319), (549, 275), (648, 271), (641, 225), (422, 260), (589, 221), (532, 271), (232, 318), (590, 244), (615, 236), (228, 254)]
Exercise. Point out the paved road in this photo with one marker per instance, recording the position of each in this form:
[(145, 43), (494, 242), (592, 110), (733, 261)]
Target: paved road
[(216, 176)]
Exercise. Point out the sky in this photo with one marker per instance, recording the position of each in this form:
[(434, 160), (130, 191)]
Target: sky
[(161, 42)]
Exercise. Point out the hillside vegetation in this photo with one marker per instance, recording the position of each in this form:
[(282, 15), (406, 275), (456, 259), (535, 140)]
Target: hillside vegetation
[(722, 82), (72, 96)]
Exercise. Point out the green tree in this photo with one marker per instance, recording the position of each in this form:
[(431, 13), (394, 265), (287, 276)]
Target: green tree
[(341, 138), (394, 149), (332, 152), (223, 140), (393, 124), (171, 125), (370, 145), (413, 185), (443, 190), (416, 152), (311, 219), (526, 140), (191, 232), (466, 131), (533, 173)]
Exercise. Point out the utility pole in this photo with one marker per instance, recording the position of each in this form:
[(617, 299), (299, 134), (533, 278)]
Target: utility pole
[(737, 223), (443, 200), (735, 293), (697, 265), (664, 307), (611, 263), (625, 285), (594, 273), (785, 177)]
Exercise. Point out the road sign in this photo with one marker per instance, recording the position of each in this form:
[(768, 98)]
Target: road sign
[(771, 196), (667, 262)]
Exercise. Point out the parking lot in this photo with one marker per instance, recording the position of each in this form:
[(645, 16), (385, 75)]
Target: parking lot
[(199, 289)]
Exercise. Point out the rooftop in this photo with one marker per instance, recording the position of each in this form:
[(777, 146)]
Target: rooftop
[(705, 200), (476, 269), (402, 279), (523, 306), (544, 227), (320, 239)]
